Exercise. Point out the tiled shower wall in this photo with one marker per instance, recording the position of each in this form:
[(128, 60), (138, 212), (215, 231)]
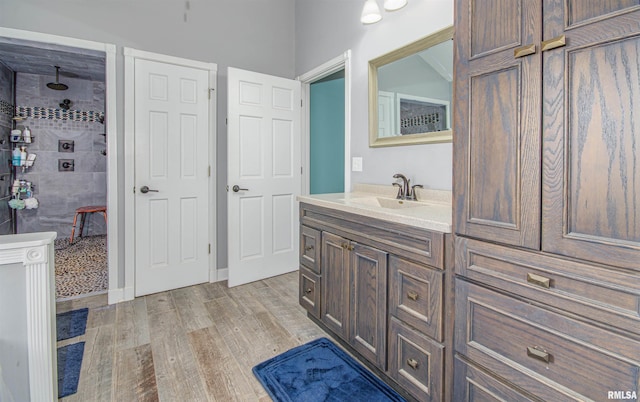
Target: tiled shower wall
[(6, 115), (60, 193)]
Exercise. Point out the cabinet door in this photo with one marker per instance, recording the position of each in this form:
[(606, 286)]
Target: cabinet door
[(335, 284), (591, 137), (368, 280), (497, 120)]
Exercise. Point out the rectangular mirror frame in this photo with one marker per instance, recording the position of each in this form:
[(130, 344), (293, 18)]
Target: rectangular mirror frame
[(413, 139)]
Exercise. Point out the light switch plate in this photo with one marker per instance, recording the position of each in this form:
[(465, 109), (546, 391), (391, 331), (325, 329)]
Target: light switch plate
[(356, 164)]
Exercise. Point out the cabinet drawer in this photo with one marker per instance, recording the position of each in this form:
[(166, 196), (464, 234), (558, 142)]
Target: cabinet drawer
[(310, 248), (415, 295), (309, 296), (554, 357), (609, 296), (415, 361), (472, 385)]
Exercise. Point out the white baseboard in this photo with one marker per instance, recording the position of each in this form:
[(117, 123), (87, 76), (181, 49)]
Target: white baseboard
[(219, 275), (120, 295)]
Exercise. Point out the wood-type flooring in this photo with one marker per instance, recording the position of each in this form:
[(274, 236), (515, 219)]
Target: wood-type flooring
[(192, 344)]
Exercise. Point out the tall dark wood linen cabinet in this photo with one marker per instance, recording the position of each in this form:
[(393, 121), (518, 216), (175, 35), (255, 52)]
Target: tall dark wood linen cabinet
[(547, 200)]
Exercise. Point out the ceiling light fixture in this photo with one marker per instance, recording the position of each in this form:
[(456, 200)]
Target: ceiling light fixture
[(370, 13), (393, 5)]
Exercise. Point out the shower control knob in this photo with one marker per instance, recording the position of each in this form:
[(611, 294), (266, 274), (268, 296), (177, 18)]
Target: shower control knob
[(146, 189)]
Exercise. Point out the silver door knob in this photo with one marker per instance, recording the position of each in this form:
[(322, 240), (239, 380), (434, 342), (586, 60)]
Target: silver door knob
[(237, 188), (146, 189)]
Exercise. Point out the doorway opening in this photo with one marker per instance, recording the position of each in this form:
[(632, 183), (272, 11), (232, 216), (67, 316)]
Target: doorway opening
[(57, 152), (326, 135), (326, 126)]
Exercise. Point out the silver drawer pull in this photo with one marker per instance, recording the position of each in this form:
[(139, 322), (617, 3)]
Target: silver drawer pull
[(412, 295), (538, 353), (308, 291), (539, 280), (308, 248), (413, 363)]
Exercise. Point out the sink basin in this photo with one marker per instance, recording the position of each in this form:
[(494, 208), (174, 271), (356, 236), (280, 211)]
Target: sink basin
[(383, 202)]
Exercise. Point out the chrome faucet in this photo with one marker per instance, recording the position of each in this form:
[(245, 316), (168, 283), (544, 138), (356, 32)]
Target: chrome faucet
[(406, 191)]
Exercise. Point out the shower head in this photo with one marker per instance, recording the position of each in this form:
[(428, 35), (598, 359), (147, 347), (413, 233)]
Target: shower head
[(57, 85)]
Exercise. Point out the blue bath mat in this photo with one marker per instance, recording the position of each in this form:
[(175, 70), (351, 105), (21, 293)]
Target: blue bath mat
[(69, 364), (71, 324), (320, 371)]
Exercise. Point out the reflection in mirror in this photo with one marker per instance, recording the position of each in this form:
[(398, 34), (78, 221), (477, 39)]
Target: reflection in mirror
[(410, 93)]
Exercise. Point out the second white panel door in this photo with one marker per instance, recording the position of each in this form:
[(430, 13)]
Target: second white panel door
[(263, 175)]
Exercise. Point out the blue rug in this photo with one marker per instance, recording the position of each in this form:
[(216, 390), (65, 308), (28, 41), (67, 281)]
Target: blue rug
[(69, 364), (320, 371), (71, 324)]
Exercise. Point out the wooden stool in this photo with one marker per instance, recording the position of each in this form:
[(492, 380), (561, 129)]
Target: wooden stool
[(84, 211)]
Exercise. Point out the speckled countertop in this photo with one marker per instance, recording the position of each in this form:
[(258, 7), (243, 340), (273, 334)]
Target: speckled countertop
[(432, 211)]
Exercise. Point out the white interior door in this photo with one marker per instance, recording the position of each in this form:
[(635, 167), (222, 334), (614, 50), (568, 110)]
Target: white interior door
[(263, 175), (171, 176)]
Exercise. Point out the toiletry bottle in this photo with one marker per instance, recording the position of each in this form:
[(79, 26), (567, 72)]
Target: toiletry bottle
[(23, 156), (15, 157), (26, 135), (15, 135)]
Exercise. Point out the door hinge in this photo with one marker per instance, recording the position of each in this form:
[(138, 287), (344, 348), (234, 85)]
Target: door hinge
[(300, 102), (209, 171), (226, 121), (301, 171), (209, 248), (211, 90)]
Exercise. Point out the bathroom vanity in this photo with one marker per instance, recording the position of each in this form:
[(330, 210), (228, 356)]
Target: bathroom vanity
[(374, 271)]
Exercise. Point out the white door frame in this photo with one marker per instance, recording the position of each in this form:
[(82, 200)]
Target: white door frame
[(115, 293), (336, 64), (130, 55)]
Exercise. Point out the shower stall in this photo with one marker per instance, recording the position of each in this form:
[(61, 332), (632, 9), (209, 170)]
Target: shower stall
[(53, 157)]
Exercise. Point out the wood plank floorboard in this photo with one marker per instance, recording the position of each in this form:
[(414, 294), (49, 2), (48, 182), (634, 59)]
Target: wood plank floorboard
[(134, 378), (132, 324), (197, 343)]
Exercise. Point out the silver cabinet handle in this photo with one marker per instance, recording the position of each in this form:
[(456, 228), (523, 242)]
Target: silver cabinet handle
[(146, 189)]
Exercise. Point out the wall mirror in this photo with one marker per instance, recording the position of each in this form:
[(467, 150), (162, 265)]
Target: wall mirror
[(410, 93)]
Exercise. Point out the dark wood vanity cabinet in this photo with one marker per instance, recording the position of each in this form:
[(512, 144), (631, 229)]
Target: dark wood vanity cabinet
[(354, 295), (547, 199), (382, 290)]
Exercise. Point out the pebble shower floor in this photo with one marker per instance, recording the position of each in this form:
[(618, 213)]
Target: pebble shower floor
[(81, 267)]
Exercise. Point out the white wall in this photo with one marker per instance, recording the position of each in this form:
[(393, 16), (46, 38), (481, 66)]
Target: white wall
[(255, 35), (326, 28)]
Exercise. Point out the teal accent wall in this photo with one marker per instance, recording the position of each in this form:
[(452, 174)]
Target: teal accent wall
[(327, 135)]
